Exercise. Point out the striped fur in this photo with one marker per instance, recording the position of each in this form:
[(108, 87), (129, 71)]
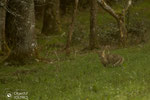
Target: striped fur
[(110, 59)]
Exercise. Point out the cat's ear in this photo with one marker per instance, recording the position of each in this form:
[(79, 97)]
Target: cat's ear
[(107, 48), (103, 53)]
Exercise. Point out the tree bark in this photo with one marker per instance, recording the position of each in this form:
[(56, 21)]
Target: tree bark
[(20, 30), (71, 28), (2, 23), (123, 30), (51, 23), (39, 9), (93, 36)]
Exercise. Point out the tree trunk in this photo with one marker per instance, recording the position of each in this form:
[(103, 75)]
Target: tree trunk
[(123, 31), (2, 24), (39, 9), (63, 7), (93, 36), (51, 24), (20, 30), (71, 28), (120, 19)]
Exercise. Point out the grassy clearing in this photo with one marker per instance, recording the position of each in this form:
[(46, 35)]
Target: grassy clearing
[(82, 76)]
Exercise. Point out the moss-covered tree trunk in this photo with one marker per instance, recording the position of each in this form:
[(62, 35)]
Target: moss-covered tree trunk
[(123, 30), (2, 23), (93, 36), (20, 25), (51, 24), (71, 28)]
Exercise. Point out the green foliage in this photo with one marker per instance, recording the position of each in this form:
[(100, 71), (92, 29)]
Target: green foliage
[(108, 34), (137, 32), (79, 34), (67, 5), (137, 25)]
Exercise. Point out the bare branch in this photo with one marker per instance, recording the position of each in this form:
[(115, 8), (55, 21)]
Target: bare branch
[(128, 6), (108, 8)]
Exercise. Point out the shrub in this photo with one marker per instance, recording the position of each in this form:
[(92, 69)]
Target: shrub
[(137, 31), (108, 34)]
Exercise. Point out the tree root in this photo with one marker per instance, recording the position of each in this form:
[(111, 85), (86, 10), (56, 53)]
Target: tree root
[(5, 57)]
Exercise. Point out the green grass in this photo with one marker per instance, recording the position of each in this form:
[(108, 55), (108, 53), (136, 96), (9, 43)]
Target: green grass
[(81, 76)]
